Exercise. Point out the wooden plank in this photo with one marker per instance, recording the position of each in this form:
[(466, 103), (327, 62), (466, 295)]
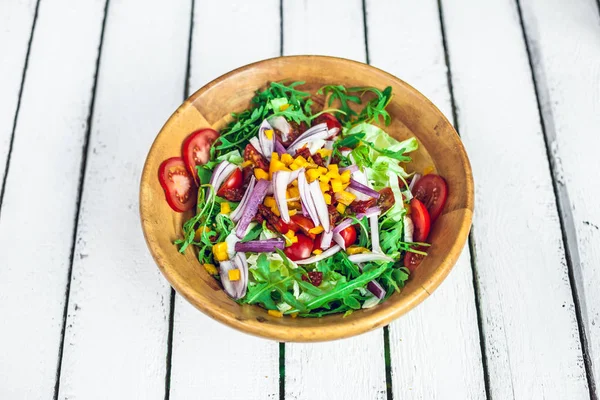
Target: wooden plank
[(205, 352), (444, 328), (117, 325), (352, 368), (564, 39), (16, 20), (40, 201), (530, 329)]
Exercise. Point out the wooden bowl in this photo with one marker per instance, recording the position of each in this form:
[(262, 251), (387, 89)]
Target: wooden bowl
[(412, 115)]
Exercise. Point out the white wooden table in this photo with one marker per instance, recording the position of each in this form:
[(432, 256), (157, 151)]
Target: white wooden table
[(85, 86)]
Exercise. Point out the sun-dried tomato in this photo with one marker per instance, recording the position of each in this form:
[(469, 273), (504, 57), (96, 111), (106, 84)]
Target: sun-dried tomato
[(273, 220), (251, 154), (304, 152), (360, 206), (295, 131), (318, 160), (234, 194), (314, 277), (334, 215), (386, 199)]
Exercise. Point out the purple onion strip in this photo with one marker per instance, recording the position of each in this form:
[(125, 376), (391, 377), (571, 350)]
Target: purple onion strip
[(256, 197), (260, 246), (364, 189)]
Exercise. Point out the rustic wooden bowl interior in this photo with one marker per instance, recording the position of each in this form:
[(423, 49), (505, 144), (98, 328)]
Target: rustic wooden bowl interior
[(412, 115)]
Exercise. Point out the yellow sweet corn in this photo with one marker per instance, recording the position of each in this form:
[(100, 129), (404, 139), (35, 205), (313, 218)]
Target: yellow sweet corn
[(336, 186), (211, 269), (275, 313), (274, 156), (428, 170), (316, 252), (324, 187), (225, 208), (345, 198), (300, 161), (234, 274), (341, 208), (269, 133), (292, 212), (324, 178), (220, 251), (270, 201), (284, 107), (312, 174), (327, 198), (199, 233), (356, 250), (345, 176), (275, 166), (287, 159), (322, 170), (333, 168), (261, 173), (294, 166), (316, 230), (324, 152), (291, 236)]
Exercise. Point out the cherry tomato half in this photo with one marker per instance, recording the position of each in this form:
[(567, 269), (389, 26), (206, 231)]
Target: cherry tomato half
[(177, 182), (301, 249), (196, 149), (233, 181), (412, 260), (300, 222), (432, 190), (349, 235), (421, 220)]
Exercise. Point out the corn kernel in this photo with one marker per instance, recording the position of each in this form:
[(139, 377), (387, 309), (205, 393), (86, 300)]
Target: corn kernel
[(269, 133), (294, 315), (316, 252), (294, 192), (323, 170), (292, 212), (356, 250), (225, 208), (324, 187), (234, 274), (284, 107), (341, 208), (211, 269), (220, 251), (312, 174), (287, 159), (275, 313), (327, 198), (316, 230), (294, 167), (199, 232), (270, 201), (345, 198), (291, 236), (324, 152), (345, 176), (260, 173), (333, 168), (300, 160), (428, 170), (324, 178), (274, 156), (336, 186)]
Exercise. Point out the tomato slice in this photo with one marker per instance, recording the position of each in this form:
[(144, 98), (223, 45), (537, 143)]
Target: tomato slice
[(421, 220), (196, 149), (349, 235), (300, 222), (432, 190), (301, 249), (233, 181), (251, 154), (177, 182), (413, 260)]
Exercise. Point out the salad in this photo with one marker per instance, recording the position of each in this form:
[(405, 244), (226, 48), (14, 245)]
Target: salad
[(305, 213)]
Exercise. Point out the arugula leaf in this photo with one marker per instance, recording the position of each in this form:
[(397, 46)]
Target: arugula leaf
[(339, 92)]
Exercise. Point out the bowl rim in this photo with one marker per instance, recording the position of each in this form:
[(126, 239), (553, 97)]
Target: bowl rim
[(378, 316)]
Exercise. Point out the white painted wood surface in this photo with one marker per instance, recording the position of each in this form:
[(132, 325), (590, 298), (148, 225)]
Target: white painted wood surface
[(117, 326), (36, 225), (351, 368), (444, 328), (564, 38), (208, 357), (16, 21), (531, 336)]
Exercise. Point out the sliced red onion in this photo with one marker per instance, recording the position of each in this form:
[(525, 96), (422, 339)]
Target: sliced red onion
[(329, 146), (295, 174), (360, 177), (280, 183), (351, 168), (326, 240), (319, 257), (369, 212), (242, 264), (235, 289), (237, 213), (306, 199), (316, 132), (320, 205), (375, 288), (314, 143), (364, 189), (304, 210), (281, 124), (256, 197), (266, 144), (256, 143), (366, 257), (414, 180), (221, 172), (374, 225), (337, 237), (279, 148), (409, 229), (260, 246), (333, 132)]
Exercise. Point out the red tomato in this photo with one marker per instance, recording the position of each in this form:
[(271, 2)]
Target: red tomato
[(300, 222), (330, 120), (176, 181), (412, 260), (432, 190), (233, 181), (301, 249), (196, 149), (421, 220), (349, 235)]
